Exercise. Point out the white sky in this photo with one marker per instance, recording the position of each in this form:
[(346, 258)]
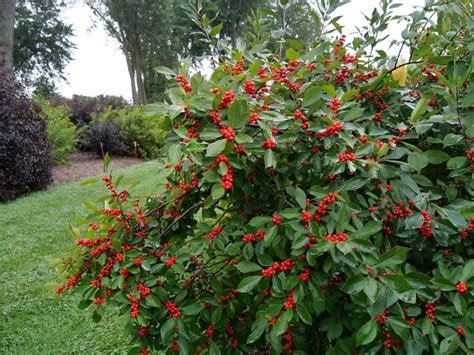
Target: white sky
[(99, 66)]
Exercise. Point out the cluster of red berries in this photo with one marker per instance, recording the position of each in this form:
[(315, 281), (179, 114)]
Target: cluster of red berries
[(173, 310), (299, 116), (330, 131), (381, 317), (216, 231), (460, 330), (174, 345), (113, 193), (254, 117), (233, 292), (306, 216), (184, 83), (430, 309), (464, 231), (425, 228), (269, 144), (227, 179), (249, 87), (138, 260), (290, 302), (142, 331), (170, 261), (144, 291), (336, 238), (215, 117), (98, 300), (334, 107), (228, 133), (461, 287), (276, 219), (288, 340), (209, 331), (348, 156), (304, 276), (322, 206), (135, 311), (389, 340), (248, 238), (377, 117), (226, 100), (283, 266), (470, 156)]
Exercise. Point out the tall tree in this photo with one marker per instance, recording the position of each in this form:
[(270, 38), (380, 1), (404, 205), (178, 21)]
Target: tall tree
[(42, 40), (7, 22)]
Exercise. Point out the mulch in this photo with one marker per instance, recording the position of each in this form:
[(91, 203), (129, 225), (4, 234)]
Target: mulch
[(86, 164)]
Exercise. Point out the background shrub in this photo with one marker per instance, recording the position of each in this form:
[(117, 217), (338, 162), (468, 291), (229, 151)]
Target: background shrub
[(104, 137), (84, 108), (62, 133), (25, 164), (135, 126)]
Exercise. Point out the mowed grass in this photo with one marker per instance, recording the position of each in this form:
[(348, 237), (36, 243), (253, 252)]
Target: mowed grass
[(34, 231)]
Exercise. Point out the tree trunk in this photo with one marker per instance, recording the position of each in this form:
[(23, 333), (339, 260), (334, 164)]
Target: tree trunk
[(140, 70), (132, 73), (7, 23)]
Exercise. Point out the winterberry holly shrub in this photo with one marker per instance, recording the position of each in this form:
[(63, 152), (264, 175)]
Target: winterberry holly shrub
[(311, 204)]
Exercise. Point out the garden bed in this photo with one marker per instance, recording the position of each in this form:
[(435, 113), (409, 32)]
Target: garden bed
[(87, 164)]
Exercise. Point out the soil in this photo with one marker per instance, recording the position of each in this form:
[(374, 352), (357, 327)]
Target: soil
[(86, 164)]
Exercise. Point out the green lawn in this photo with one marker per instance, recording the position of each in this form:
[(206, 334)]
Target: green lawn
[(33, 231)]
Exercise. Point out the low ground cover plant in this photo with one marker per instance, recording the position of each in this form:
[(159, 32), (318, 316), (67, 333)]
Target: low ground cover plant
[(313, 204)]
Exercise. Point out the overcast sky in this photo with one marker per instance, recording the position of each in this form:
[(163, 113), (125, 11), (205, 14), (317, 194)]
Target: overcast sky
[(99, 66)]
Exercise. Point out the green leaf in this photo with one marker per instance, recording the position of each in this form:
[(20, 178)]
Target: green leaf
[(282, 323), (437, 156), (419, 110), (329, 89), (214, 349), (460, 304), (269, 159), (394, 256), (164, 70), (354, 284), (367, 333), (442, 60), (397, 283), (238, 113), (443, 284), (259, 221), (300, 197), (216, 29), (247, 284), (303, 313), (417, 161), (258, 328), (153, 301), (343, 219), (243, 138), (192, 309), (89, 181), (353, 184), (468, 271), (217, 192), (247, 266), (400, 326), (368, 229), (216, 147), (291, 54), (456, 163)]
